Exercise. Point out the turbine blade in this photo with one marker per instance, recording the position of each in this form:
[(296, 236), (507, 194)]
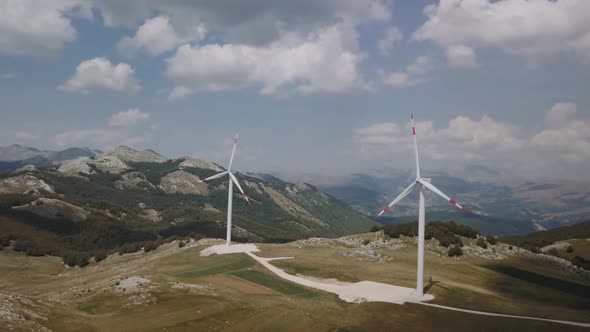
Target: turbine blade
[(434, 189), (218, 175), (415, 146), (397, 199), (233, 151), (235, 180)]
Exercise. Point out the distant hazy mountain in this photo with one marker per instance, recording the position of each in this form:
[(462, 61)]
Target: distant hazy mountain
[(14, 156), (503, 203)]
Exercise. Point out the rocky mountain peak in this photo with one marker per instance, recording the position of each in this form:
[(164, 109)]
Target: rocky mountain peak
[(128, 154)]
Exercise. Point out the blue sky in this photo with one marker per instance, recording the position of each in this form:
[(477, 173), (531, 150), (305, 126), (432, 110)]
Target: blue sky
[(313, 86)]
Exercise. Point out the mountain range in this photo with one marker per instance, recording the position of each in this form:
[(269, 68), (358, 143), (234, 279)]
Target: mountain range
[(107, 200), (15, 155), (500, 203)]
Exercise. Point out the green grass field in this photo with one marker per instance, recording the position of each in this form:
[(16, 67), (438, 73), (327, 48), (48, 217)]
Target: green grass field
[(233, 293)]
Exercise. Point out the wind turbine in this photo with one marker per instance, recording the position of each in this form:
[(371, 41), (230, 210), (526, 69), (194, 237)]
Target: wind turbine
[(232, 180), (422, 183)]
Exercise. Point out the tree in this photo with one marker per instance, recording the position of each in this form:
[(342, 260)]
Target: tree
[(491, 239), (570, 249), (481, 242), (455, 250)]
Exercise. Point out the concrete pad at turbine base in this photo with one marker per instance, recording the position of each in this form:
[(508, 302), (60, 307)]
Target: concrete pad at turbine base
[(222, 249)]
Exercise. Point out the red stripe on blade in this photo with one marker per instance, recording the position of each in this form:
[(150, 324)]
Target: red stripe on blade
[(414, 131), (412, 116), (464, 210), (452, 201), (386, 208)]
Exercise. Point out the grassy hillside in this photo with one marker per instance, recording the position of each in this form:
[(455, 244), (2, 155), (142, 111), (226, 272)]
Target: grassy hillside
[(182, 291), (119, 219), (543, 238)]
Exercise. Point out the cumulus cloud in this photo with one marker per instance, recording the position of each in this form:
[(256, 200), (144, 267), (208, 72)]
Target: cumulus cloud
[(7, 76), (100, 73), (391, 36), (25, 135), (564, 136), (37, 28), (528, 28), (560, 115), (325, 61), (413, 74), (130, 128), (157, 35), (462, 139), (258, 23), (129, 118), (461, 56)]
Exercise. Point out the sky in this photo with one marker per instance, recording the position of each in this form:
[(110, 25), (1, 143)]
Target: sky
[(313, 86)]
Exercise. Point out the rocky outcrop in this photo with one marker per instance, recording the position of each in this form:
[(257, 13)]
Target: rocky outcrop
[(198, 163), (181, 182), (109, 164), (55, 209), (76, 167), (24, 184), (128, 154), (134, 181), (151, 215)]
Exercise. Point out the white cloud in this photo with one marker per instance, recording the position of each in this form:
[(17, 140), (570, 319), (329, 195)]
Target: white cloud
[(25, 135), (131, 128), (99, 73), (38, 28), (461, 56), (413, 74), (157, 35), (565, 139), (7, 76), (260, 22), (391, 36), (564, 136), (462, 138), (560, 115), (529, 28), (87, 137), (325, 61), (129, 118)]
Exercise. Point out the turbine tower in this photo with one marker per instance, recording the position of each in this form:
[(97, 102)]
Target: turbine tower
[(422, 183), (232, 180)]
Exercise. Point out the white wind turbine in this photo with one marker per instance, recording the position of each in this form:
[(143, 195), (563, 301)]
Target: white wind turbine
[(422, 183), (232, 180)]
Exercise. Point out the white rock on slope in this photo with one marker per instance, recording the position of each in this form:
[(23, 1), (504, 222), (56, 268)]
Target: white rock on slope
[(25, 183), (181, 182), (198, 163), (128, 154), (75, 167)]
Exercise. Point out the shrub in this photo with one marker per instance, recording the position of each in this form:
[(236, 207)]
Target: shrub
[(510, 248), (491, 239), (481, 242), (375, 229), (100, 256), (366, 241), (581, 263), (181, 244), (553, 252), (570, 249), (535, 250), (455, 250)]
